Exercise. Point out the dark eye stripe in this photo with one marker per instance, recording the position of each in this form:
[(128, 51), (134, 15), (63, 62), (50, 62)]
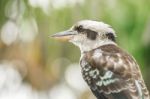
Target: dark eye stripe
[(110, 36), (91, 34)]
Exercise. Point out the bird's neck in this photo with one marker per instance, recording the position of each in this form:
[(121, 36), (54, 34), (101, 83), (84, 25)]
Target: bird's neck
[(93, 45)]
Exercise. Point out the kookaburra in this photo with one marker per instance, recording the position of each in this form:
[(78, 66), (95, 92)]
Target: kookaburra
[(109, 71)]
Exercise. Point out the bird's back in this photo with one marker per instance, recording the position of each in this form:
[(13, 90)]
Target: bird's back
[(112, 73)]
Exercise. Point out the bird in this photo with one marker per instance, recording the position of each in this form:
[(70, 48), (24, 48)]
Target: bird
[(109, 71)]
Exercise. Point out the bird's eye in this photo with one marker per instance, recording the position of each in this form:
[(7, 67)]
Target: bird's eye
[(79, 28)]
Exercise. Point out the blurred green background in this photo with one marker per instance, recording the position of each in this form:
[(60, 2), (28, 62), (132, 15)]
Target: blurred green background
[(49, 68)]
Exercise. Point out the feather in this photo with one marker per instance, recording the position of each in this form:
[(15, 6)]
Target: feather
[(113, 74)]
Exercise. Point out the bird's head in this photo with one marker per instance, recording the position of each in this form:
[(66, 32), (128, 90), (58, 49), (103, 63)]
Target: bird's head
[(88, 34)]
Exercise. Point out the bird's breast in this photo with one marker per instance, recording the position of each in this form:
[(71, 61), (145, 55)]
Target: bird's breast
[(99, 77), (101, 80)]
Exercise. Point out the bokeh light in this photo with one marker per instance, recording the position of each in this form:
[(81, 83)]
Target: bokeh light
[(34, 66), (9, 32), (61, 92), (74, 78)]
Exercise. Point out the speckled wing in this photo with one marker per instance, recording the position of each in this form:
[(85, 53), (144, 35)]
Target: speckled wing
[(111, 73)]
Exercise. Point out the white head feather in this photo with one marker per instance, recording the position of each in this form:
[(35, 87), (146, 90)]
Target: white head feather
[(99, 27), (86, 44)]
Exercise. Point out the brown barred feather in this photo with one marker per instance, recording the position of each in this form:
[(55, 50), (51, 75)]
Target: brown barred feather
[(112, 73)]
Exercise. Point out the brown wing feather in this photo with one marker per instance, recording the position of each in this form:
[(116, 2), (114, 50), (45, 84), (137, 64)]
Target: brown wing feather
[(113, 72)]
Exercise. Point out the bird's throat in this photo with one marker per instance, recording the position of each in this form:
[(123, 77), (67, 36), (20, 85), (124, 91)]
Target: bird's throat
[(85, 47)]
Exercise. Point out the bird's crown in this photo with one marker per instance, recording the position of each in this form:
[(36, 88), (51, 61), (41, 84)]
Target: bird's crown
[(93, 28)]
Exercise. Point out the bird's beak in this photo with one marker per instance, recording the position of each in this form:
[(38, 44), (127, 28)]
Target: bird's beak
[(65, 35)]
